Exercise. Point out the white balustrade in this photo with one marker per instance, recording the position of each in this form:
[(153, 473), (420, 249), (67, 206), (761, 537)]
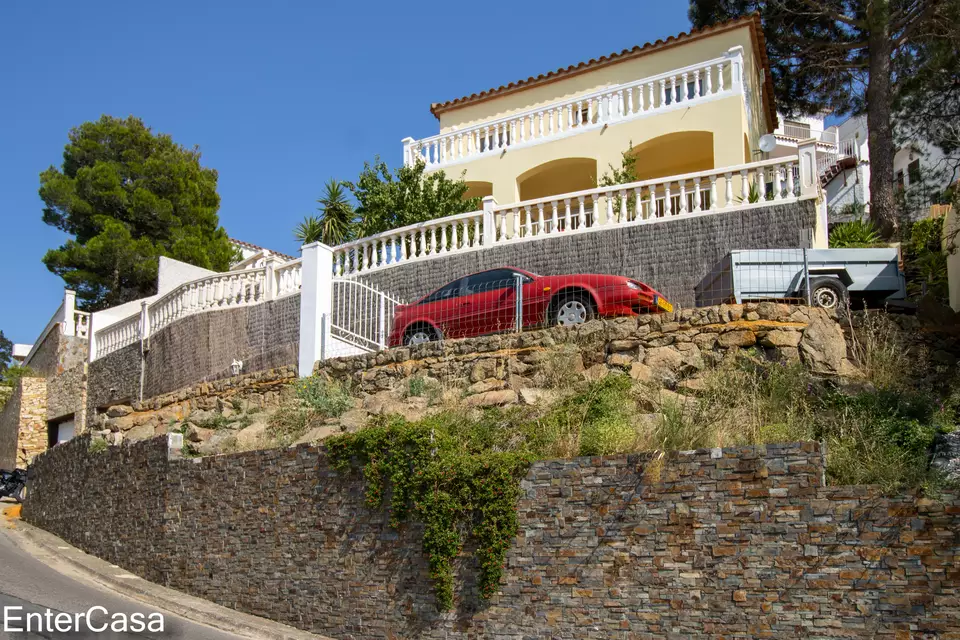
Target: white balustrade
[(81, 324), (287, 278), (118, 335), (414, 242), (650, 200), (220, 291), (681, 87)]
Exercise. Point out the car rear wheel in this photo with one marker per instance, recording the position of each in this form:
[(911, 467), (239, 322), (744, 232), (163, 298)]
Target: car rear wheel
[(420, 335), (828, 293), (573, 309)]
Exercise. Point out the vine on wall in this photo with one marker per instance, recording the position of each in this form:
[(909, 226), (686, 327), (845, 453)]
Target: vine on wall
[(448, 486)]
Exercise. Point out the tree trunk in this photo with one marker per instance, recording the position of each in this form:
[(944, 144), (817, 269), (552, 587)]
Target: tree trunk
[(879, 122)]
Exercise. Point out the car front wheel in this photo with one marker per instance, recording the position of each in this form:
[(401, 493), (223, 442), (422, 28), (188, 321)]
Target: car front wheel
[(420, 335), (572, 310)]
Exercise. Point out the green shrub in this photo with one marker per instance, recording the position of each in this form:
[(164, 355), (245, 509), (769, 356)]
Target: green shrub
[(924, 263), (416, 386), (324, 397), (855, 234), (98, 445)]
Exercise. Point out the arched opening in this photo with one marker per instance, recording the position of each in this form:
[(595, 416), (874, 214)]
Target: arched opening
[(557, 176), (478, 189), (673, 154)]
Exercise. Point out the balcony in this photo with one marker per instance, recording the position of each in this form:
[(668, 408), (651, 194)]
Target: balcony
[(791, 134), (674, 90)]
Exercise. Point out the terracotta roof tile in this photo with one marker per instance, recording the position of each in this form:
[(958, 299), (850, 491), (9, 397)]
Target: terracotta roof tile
[(753, 21)]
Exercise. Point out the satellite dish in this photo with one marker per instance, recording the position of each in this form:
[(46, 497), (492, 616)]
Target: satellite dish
[(768, 143)]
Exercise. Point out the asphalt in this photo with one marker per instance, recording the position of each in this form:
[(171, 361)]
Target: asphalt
[(39, 571)]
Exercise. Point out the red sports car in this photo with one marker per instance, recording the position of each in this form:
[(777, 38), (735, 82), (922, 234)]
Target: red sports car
[(486, 302)]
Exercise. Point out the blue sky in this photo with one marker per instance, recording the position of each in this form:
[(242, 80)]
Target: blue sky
[(280, 96)]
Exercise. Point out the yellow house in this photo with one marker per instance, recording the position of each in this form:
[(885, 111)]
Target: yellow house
[(693, 102)]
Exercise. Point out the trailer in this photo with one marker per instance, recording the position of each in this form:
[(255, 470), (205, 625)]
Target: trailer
[(822, 277)]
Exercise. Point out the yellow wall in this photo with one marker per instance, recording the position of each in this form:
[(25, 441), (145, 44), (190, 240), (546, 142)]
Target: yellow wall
[(721, 132), (722, 119)]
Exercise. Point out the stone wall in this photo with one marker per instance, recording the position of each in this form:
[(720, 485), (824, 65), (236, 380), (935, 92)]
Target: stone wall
[(196, 349), (66, 393), (140, 420), (673, 344), (728, 543), (203, 346), (57, 353), (671, 256), (23, 422)]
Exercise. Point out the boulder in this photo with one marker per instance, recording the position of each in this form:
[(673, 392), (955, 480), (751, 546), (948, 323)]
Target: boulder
[(118, 411), (143, 432), (822, 346), (253, 436), (620, 360), (492, 398), (641, 372), (354, 419), (781, 338), (738, 338), (596, 372), (194, 433), (663, 358)]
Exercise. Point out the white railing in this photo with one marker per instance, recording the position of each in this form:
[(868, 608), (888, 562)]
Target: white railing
[(362, 314), (649, 201), (118, 335), (675, 89), (435, 237), (845, 149), (220, 291), (644, 202), (287, 278), (81, 324), (800, 132), (228, 290)]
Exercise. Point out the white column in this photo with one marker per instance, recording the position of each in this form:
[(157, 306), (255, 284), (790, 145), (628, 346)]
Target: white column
[(489, 228), (316, 292), (736, 67), (69, 306), (269, 283), (408, 151)]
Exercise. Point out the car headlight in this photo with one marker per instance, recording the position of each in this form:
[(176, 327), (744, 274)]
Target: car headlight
[(633, 285)]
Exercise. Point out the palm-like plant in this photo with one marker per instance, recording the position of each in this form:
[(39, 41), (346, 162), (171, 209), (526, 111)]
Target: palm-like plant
[(335, 224), (310, 230)]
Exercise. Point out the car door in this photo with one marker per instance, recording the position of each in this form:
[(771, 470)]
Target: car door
[(442, 308), (491, 299)]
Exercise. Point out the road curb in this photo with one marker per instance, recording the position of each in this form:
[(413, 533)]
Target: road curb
[(45, 546)]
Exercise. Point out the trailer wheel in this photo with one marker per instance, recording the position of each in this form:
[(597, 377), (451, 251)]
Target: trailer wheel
[(828, 293)]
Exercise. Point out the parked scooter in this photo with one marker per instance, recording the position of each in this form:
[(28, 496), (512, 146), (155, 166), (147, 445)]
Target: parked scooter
[(13, 484)]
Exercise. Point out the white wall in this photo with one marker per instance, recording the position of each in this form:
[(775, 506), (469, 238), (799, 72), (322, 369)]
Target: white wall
[(173, 273)]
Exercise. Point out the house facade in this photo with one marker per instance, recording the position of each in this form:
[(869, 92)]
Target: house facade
[(693, 102)]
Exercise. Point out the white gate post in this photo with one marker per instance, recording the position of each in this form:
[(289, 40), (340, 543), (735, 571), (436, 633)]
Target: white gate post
[(316, 298)]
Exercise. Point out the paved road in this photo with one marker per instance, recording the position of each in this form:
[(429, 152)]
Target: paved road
[(31, 584)]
